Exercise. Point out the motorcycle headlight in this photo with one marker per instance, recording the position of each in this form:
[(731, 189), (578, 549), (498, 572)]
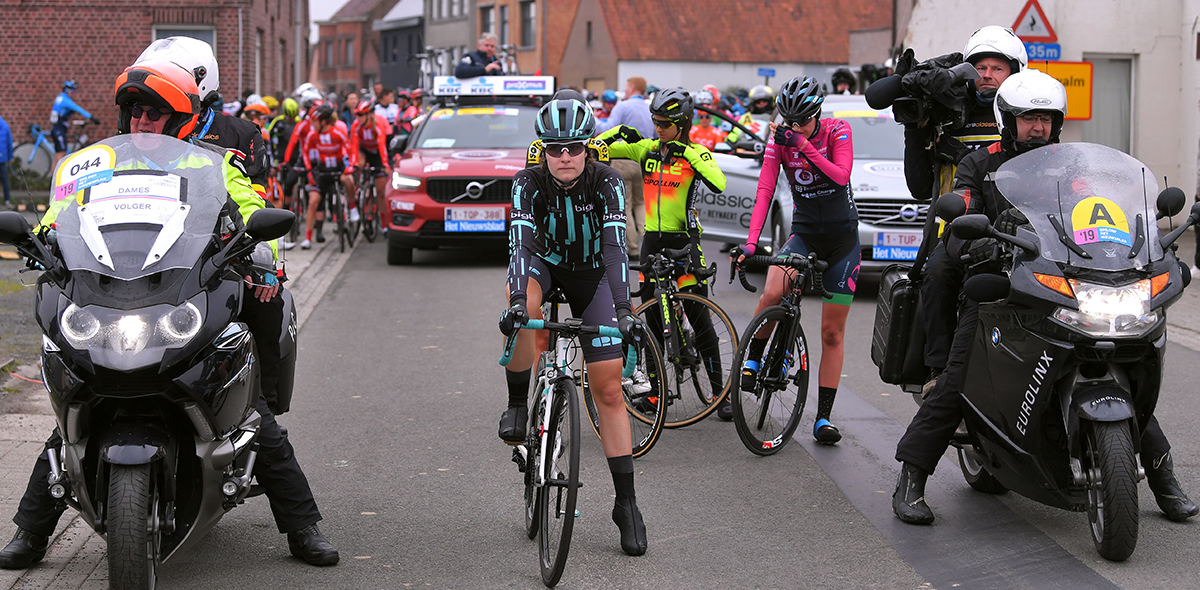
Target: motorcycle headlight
[(180, 324), (130, 331), (1104, 311), (79, 326), (404, 183)]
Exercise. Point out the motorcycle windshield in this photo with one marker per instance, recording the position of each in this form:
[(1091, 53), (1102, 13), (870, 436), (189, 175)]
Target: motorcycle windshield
[(1092, 206), (138, 204)]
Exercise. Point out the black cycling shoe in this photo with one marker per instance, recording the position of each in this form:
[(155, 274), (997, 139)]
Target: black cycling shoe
[(750, 376), (1167, 491), (725, 409), (826, 433), (320, 237), (512, 424), (908, 501), (25, 549), (633, 531)]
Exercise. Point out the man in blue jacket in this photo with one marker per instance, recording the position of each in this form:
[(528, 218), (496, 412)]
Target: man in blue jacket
[(482, 61)]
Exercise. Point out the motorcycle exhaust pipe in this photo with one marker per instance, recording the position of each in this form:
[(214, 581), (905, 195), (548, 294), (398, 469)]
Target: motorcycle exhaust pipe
[(57, 477)]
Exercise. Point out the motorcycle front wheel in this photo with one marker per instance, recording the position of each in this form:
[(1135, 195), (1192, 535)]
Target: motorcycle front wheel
[(1111, 469), (977, 475), (133, 527)]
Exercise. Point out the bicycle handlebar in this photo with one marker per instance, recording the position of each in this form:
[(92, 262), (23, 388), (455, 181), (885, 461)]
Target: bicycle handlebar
[(573, 328), (662, 263), (803, 264)]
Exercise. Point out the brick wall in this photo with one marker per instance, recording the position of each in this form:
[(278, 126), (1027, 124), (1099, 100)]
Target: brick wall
[(559, 18), (93, 41)]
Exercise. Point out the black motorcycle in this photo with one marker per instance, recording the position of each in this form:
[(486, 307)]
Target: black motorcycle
[(153, 380), (1066, 363)]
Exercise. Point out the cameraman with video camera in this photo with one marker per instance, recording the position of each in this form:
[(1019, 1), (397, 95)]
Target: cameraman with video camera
[(946, 109)]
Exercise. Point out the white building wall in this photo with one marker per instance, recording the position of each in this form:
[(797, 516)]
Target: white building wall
[(694, 75), (1160, 36)]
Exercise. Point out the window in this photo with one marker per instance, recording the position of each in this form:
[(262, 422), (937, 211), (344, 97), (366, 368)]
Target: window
[(440, 5), (454, 4), (487, 19), (350, 52), (258, 60), (503, 32), (329, 54), (206, 34), (528, 34), (589, 33)]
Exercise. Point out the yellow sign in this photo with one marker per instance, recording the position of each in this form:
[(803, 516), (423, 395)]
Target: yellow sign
[(1076, 77)]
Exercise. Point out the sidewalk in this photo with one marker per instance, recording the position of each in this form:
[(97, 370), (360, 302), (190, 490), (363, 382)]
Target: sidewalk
[(76, 558)]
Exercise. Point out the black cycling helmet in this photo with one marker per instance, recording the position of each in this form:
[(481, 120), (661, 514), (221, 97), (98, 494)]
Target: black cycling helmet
[(841, 76), (322, 112), (800, 99), (673, 103), (565, 120)]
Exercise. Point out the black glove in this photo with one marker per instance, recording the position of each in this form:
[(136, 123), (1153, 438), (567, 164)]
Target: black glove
[(95, 121), (631, 326), (675, 149), (629, 134), (513, 318), (984, 251), (1009, 220), (782, 135)]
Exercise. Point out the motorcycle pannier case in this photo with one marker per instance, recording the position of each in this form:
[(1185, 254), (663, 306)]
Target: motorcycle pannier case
[(898, 341)]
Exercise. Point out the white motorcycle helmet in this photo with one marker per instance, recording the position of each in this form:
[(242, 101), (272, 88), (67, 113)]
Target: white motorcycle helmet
[(305, 87), (1029, 91), (193, 55), (997, 41)]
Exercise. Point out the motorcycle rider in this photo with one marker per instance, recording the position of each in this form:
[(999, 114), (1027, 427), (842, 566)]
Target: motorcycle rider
[(1029, 109), (762, 110), (843, 81), (163, 98), (593, 272)]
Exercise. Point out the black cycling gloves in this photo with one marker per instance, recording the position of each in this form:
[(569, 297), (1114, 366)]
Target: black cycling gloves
[(513, 317), (631, 326), (1009, 220)]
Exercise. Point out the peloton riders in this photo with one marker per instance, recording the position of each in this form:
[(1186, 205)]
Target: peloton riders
[(568, 196), (1029, 110), (817, 156), (326, 153), (162, 98), (368, 134), (670, 166)]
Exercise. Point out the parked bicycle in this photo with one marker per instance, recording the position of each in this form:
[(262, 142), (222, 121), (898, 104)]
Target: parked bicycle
[(507, 56), (696, 337), (432, 63), (549, 458), (35, 158), (767, 408)]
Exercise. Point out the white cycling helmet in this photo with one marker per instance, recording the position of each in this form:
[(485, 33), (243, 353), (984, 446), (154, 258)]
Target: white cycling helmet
[(193, 55), (997, 41), (305, 87), (1025, 92)]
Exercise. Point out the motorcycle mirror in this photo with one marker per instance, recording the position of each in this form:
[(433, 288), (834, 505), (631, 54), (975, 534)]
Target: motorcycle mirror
[(13, 227), (269, 224), (950, 206), (1170, 201), (971, 227), (987, 287)]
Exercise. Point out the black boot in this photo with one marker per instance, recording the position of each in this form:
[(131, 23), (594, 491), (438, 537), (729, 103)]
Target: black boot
[(633, 531), (908, 501), (24, 550), (310, 545), (512, 424), (1160, 474)]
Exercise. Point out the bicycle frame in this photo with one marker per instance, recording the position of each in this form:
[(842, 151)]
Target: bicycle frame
[(807, 274)]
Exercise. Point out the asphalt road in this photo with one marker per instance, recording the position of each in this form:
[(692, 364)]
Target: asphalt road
[(394, 419)]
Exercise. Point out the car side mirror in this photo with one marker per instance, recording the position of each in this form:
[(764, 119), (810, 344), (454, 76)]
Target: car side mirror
[(269, 224), (722, 148), (1170, 202), (971, 227), (950, 206), (398, 144), (13, 228)]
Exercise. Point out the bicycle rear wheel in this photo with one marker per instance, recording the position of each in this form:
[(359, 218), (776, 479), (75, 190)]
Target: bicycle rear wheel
[(646, 419), (370, 209), (557, 496), (297, 205), (30, 163), (697, 376), (767, 415)]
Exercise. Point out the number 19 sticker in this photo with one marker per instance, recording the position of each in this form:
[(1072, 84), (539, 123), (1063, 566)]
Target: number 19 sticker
[(85, 168), (1096, 219)]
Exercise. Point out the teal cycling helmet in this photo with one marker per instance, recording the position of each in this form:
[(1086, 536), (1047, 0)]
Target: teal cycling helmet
[(565, 120)]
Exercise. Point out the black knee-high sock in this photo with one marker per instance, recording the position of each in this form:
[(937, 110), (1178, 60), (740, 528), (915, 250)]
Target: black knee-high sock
[(622, 474), (757, 346), (518, 387), (825, 397)]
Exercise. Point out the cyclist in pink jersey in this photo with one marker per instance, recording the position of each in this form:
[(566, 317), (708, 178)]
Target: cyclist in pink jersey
[(817, 156)]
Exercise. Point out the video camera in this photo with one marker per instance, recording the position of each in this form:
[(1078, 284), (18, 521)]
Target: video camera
[(933, 90)]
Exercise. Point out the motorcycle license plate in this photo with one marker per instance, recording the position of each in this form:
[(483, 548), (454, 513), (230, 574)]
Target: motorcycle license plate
[(896, 245), (465, 219)]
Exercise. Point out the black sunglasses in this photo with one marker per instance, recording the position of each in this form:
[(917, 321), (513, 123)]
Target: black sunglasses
[(153, 114), (556, 150), (800, 123)]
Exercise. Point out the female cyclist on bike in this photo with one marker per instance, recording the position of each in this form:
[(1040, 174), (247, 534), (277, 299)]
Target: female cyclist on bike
[(817, 156), (567, 230)]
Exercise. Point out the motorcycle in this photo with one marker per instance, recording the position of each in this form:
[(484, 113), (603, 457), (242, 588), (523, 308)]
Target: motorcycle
[(152, 379), (1066, 363)]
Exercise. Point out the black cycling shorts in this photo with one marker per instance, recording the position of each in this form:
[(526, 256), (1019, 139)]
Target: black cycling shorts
[(324, 180), (843, 253), (59, 134), (374, 161), (590, 299)]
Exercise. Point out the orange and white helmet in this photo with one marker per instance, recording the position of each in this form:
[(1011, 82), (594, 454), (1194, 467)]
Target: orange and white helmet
[(162, 85)]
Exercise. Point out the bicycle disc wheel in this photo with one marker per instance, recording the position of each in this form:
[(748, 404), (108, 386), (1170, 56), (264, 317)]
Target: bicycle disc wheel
[(558, 494), (32, 164), (767, 415), (697, 375), (646, 419)]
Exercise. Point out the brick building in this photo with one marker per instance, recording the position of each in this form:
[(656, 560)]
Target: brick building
[(46, 42), (347, 55)]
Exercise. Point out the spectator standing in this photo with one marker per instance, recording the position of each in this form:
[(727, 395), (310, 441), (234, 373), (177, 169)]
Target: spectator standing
[(347, 114), (387, 107), (634, 111)]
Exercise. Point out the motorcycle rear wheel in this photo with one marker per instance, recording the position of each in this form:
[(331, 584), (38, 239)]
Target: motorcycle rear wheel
[(977, 475), (1110, 465), (133, 527)]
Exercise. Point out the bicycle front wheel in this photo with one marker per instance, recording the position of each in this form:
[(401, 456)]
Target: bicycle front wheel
[(561, 487), (646, 416), (697, 374), (766, 410), (370, 215)]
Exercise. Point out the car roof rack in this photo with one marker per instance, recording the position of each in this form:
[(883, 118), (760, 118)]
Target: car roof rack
[(530, 90)]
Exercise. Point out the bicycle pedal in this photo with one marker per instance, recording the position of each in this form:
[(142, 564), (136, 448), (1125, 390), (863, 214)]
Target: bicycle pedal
[(519, 459)]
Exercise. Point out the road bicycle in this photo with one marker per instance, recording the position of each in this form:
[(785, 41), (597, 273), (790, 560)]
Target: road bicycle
[(549, 457), (34, 158), (507, 56), (368, 207), (696, 337), (336, 209), (767, 407), (432, 63), (297, 203)]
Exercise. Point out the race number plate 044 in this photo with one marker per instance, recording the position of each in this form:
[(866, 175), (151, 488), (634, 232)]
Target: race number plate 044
[(475, 219), (896, 245)]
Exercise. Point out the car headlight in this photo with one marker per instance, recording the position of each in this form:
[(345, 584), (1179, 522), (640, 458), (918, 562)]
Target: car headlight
[(130, 331), (404, 183), (1104, 311)]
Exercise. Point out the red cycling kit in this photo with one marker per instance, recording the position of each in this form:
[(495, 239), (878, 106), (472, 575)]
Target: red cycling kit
[(300, 135), (328, 152), (371, 140)]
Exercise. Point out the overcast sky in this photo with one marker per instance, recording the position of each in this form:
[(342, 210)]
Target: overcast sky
[(321, 10)]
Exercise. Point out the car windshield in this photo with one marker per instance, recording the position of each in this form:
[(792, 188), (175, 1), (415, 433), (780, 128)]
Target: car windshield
[(477, 127), (876, 136)]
